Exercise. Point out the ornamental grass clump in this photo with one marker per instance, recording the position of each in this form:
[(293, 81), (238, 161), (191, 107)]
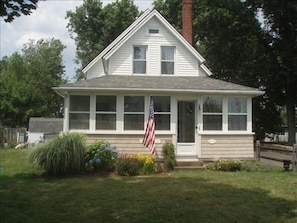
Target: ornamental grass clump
[(100, 156), (61, 155)]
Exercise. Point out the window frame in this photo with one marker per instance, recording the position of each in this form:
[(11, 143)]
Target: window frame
[(162, 61), (226, 113), (133, 113), (77, 112), (106, 113), (168, 113), (209, 113), (135, 60), (238, 114)]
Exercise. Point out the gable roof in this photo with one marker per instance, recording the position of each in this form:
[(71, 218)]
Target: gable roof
[(133, 28), (169, 84)]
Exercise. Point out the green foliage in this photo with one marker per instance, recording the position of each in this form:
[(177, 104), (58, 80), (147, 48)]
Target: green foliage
[(100, 155), (256, 166), (26, 82), (135, 165), (94, 27), (9, 9), (225, 165), (169, 156), (61, 155), (147, 165), (128, 166)]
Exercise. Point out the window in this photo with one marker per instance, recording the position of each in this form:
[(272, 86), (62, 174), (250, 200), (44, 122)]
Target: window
[(79, 113), (237, 113), (162, 112), (133, 112), (167, 59), (106, 108), (139, 59), (212, 113)]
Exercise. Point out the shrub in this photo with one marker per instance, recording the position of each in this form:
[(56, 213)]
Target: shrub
[(169, 156), (127, 166), (100, 155), (61, 155), (225, 165)]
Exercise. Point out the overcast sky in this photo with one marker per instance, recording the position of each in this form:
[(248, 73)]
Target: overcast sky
[(47, 21)]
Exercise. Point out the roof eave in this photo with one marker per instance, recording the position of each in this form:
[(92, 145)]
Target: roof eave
[(64, 90)]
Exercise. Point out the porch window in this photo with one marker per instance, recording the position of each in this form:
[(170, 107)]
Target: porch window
[(167, 59), (212, 113), (79, 112), (237, 113), (106, 112), (139, 59), (162, 112), (133, 112)]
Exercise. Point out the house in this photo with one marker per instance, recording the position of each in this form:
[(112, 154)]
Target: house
[(43, 128), (203, 117)]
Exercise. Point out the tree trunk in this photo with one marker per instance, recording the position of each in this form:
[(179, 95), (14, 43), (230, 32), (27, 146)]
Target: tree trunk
[(290, 105), (291, 120)]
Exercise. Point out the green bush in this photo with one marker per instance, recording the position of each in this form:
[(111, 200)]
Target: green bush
[(169, 156), (61, 155), (128, 166), (100, 155), (225, 165)]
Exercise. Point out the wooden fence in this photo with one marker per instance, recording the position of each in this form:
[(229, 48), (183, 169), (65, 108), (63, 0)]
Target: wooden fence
[(12, 135), (281, 153)]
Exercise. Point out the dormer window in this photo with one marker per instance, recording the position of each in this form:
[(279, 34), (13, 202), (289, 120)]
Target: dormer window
[(139, 59), (167, 59)]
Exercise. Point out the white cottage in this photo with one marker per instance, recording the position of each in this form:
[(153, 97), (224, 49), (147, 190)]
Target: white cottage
[(203, 117)]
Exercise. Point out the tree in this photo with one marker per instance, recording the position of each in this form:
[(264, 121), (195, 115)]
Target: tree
[(229, 35), (93, 27), (280, 18), (26, 82), (11, 9)]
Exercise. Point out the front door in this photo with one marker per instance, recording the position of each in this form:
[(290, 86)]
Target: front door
[(186, 128)]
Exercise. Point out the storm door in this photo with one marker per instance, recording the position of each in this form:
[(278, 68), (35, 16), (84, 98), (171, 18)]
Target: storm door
[(186, 123)]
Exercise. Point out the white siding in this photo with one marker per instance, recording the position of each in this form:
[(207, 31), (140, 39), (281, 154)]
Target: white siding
[(185, 62), (96, 70), (130, 144), (227, 146)]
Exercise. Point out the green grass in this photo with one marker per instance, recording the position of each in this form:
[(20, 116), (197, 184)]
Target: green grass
[(181, 196)]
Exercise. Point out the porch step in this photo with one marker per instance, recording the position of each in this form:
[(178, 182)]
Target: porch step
[(189, 165)]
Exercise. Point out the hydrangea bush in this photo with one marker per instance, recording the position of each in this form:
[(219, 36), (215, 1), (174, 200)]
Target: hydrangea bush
[(101, 155)]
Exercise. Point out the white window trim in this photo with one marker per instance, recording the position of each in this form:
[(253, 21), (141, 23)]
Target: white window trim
[(146, 59), (225, 114), (174, 60)]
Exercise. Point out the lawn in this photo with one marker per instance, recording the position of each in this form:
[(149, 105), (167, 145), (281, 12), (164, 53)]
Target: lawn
[(179, 196)]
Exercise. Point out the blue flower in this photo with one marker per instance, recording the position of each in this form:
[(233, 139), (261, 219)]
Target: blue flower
[(98, 161), (91, 161), (103, 145)]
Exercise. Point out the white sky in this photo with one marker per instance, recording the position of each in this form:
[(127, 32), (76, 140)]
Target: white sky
[(47, 21)]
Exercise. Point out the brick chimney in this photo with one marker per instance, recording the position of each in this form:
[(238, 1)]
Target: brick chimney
[(187, 20)]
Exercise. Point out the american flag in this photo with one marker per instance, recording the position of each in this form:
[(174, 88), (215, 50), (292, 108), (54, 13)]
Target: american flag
[(149, 135)]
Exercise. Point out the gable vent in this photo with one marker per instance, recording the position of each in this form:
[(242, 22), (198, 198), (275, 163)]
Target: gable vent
[(154, 31)]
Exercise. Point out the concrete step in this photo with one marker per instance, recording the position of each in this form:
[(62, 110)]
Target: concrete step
[(189, 165)]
